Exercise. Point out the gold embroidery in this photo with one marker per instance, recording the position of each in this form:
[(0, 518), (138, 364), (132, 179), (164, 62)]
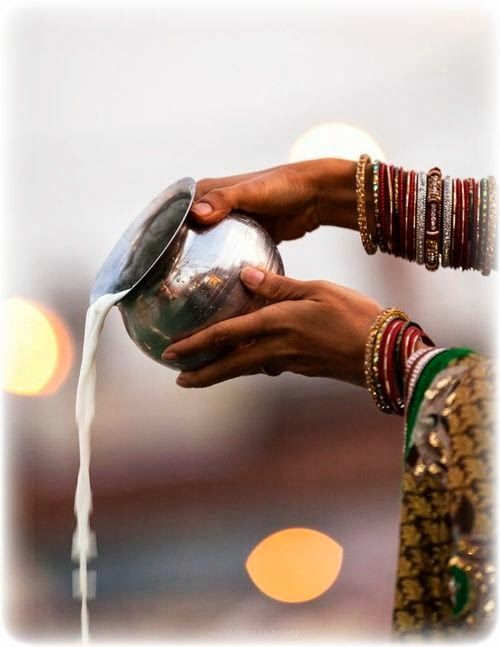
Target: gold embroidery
[(447, 508)]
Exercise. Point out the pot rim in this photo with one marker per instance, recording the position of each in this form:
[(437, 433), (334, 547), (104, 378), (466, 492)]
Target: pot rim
[(128, 262)]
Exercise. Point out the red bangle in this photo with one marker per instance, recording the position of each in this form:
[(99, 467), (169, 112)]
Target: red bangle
[(401, 212), (381, 359), (395, 212), (390, 206), (399, 354), (382, 212), (469, 224), (388, 367), (457, 238), (384, 362), (413, 335), (453, 220), (476, 261), (465, 220), (404, 215)]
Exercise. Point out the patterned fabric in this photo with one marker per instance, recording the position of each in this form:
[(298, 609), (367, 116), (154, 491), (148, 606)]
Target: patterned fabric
[(446, 573)]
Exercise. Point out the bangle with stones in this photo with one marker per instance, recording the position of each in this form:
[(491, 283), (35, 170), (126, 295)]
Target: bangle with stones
[(366, 239), (446, 222), (483, 222), (411, 216), (433, 204), (420, 222), (372, 351), (376, 204), (491, 233)]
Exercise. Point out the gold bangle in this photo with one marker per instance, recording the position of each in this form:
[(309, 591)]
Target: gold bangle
[(366, 239), (372, 349)]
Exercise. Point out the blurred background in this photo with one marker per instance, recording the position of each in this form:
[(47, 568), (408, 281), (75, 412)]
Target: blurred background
[(107, 105)]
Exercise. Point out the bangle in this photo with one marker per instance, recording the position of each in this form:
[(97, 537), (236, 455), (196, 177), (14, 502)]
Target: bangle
[(368, 244), (483, 225), (403, 210), (372, 356), (412, 212), (396, 213), (390, 195), (399, 353), (459, 213), (477, 227), (376, 205), (420, 222), (384, 204), (492, 213), (432, 219), (465, 213), (470, 234), (386, 366), (447, 218)]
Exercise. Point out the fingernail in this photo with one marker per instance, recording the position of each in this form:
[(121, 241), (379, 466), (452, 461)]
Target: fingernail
[(169, 354), (251, 276), (202, 209), (183, 381)]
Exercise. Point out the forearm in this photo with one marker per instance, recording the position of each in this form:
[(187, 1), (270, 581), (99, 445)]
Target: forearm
[(335, 183)]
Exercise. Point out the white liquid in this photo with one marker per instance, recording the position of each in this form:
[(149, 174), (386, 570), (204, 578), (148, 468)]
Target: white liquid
[(83, 539)]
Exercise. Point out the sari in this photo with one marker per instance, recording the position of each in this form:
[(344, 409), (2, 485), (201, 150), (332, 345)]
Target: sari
[(446, 570)]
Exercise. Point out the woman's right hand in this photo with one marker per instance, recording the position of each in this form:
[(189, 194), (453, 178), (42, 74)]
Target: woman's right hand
[(288, 200)]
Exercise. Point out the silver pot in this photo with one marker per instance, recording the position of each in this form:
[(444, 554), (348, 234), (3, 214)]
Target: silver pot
[(180, 277)]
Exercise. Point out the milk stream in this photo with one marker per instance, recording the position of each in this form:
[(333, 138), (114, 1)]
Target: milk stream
[(84, 547)]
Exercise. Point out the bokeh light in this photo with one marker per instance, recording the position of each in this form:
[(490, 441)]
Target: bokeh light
[(295, 564), (37, 349), (334, 139)]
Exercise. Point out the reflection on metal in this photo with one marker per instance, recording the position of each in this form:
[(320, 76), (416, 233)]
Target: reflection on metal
[(180, 276)]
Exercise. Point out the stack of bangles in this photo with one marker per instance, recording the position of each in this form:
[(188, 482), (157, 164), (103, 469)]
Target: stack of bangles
[(429, 218), (392, 341)]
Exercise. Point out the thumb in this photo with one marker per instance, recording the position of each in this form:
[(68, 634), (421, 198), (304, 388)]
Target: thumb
[(216, 204), (274, 287)]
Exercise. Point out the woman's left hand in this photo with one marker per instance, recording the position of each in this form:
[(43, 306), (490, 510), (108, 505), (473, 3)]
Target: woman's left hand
[(315, 328)]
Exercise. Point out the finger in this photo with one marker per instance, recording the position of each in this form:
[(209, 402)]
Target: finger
[(247, 360), (231, 332), (207, 184), (274, 287), (253, 194)]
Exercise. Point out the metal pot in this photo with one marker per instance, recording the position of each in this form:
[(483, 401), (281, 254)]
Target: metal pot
[(181, 277)]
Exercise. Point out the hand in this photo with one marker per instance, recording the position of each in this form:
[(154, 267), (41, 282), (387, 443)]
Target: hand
[(314, 328), (288, 200)]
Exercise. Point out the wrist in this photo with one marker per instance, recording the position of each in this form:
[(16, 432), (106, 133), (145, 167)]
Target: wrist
[(334, 183)]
